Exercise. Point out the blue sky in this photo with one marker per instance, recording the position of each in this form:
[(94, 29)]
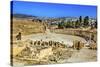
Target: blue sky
[(53, 9)]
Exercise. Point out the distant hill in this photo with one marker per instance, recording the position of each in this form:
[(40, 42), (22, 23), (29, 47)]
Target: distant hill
[(22, 16)]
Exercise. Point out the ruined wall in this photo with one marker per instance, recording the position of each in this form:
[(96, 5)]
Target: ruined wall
[(87, 34)]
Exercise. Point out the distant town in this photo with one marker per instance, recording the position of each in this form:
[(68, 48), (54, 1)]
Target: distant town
[(63, 22)]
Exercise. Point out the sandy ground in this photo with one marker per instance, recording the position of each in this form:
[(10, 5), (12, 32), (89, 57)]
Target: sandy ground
[(83, 55)]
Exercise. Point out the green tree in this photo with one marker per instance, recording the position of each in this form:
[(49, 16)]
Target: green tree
[(61, 25), (96, 24), (68, 24), (86, 21), (80, 19), (77, 24)]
